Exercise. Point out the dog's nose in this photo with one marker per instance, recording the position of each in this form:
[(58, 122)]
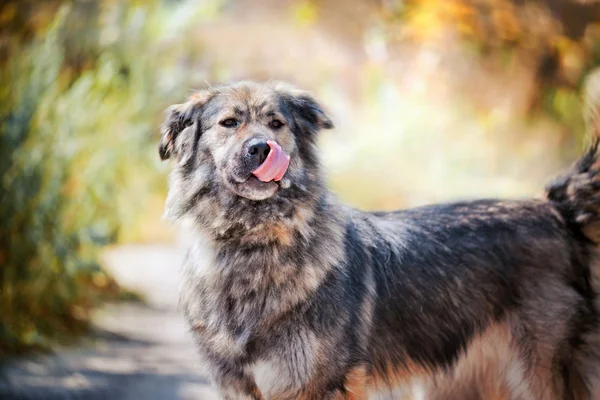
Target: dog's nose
[(259, 151)]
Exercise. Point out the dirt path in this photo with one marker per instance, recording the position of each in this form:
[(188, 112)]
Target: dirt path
[(136, 352)]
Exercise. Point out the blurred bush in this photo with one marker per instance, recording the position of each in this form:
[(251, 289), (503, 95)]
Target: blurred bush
[(80, 101), (558, 40)]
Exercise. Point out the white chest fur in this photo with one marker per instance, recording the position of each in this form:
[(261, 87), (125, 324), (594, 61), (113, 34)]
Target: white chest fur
[(272, 377)]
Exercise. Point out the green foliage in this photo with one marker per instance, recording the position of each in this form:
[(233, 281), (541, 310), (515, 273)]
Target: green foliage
[(80, 106), (39, 259)]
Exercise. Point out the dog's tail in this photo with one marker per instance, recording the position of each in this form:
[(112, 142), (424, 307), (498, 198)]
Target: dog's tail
[(577, 193), (577, 197)]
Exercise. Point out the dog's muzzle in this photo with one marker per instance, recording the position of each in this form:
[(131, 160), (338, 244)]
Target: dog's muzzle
[(272, 161)]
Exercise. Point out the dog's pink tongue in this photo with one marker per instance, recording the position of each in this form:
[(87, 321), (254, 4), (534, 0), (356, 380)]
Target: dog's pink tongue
[(274, 166)]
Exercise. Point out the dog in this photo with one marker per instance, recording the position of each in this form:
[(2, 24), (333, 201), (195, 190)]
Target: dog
[(291, 295)]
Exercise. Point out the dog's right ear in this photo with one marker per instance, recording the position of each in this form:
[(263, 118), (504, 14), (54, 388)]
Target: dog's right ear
[(177, 132), (308, 112)]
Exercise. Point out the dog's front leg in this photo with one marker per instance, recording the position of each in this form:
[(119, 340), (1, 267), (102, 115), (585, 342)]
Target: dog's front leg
[(234, 384)]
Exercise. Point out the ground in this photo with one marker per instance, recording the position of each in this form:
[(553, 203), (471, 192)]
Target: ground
[(137, 351)]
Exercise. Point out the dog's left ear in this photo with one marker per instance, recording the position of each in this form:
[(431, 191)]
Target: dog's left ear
[(307, 111), (177, 132)]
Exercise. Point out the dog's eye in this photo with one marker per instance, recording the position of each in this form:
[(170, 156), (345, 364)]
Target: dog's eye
[(229, 123), (275, 124)]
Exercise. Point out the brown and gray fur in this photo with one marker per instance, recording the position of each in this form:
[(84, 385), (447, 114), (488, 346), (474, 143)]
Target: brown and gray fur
[(290, 295)]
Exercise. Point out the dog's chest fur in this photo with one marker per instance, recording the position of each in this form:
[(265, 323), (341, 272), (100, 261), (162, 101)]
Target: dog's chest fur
[(233, 300), (236, 307)]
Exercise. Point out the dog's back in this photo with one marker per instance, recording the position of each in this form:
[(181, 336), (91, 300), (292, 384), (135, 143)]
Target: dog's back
[(480, 286), (516, 282)]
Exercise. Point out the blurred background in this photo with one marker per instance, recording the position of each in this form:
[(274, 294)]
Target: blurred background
[(432, 99)]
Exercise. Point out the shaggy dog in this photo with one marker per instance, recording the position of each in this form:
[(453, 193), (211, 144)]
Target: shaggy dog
[(291, 295)]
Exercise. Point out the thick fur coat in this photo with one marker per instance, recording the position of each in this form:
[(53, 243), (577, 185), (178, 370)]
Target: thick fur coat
[(291, 295)]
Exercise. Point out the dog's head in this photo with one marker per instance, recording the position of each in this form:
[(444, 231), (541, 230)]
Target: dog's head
[(246, 142)]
